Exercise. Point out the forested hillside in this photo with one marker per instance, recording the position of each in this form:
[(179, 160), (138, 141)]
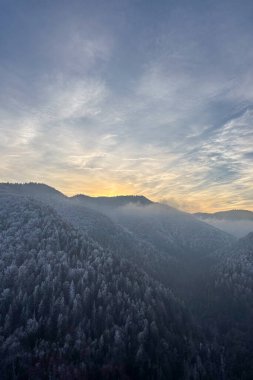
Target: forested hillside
[(69, 308), (119, 288), (229, 306), (168, 244)]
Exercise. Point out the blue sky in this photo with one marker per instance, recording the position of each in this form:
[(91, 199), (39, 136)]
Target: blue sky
[(130, 97)]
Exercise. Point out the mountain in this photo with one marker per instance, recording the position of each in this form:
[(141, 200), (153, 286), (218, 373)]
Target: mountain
[(37, 190), (171, 230), (236, 222), (121, 287), (103, 230), (166, 243), (173, 244), (227, 215), (118, 201), (69, 309)]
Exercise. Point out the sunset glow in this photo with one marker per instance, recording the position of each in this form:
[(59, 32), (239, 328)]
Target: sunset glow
[(132, 97)]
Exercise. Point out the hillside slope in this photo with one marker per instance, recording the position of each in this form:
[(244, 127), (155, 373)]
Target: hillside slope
[(169, 245), (225, 304), (68, 308)]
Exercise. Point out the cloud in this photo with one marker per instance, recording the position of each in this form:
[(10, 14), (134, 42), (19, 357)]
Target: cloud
[(168, 115)]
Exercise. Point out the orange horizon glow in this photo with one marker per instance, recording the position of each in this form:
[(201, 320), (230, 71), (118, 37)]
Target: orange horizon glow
[(192, 202)]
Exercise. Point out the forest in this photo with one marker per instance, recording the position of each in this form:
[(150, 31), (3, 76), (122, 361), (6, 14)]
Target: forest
[(120, 288)]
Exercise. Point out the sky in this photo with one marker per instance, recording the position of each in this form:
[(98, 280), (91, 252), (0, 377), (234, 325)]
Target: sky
[(130, 97)]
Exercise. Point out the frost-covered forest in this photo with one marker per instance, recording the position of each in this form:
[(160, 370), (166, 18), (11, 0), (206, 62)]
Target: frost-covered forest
[(119, 288)]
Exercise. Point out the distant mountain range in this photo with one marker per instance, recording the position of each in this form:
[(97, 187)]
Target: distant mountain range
[(236, 222), (227, 215)]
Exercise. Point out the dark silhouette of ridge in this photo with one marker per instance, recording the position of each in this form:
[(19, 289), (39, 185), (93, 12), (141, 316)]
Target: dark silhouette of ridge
[(227, 215), (119, 200), (33, 189)]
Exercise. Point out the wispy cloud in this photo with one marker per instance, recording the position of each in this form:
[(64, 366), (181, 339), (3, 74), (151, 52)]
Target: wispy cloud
[(111, 100)]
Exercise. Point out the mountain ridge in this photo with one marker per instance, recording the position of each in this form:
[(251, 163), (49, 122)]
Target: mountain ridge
[(229, 215), (42, 187)]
